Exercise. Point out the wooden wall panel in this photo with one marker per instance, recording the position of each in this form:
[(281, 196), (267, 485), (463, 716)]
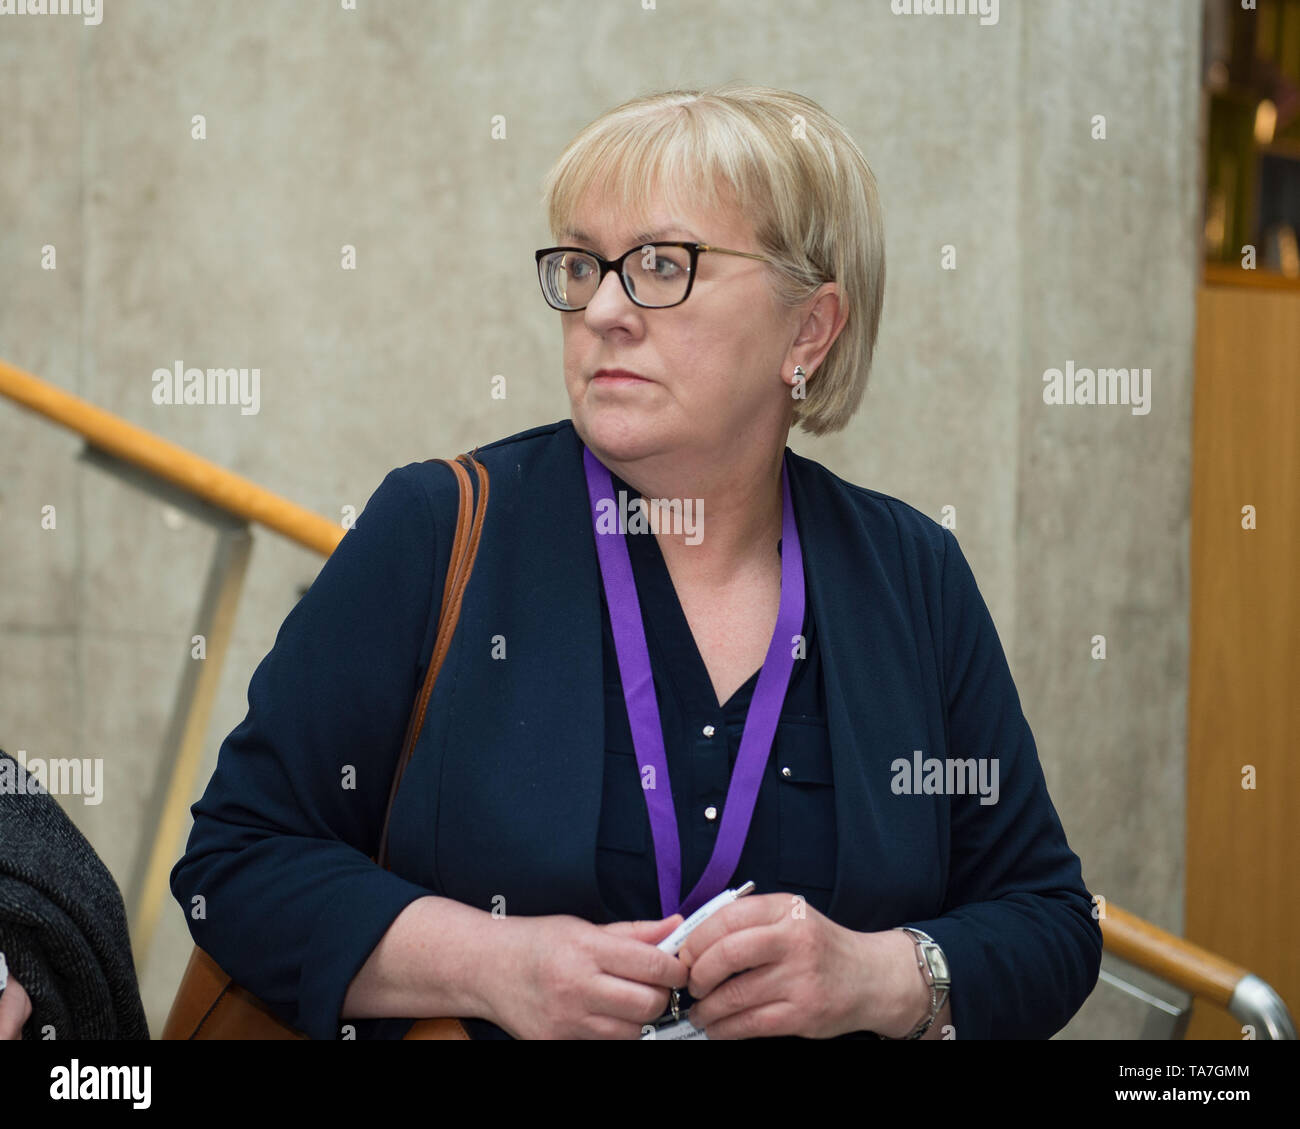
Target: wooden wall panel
[(1243, 848)]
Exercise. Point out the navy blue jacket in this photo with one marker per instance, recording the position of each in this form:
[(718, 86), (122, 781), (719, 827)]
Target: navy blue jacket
[(502, 797)]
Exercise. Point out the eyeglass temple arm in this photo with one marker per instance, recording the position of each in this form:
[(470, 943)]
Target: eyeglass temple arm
[(727, 251)]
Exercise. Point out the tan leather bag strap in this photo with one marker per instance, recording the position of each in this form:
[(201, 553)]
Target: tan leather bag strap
[(209, 1004), (464, 549)]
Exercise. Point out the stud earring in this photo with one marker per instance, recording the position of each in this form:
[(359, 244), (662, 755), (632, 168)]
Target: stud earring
[(799, 374)]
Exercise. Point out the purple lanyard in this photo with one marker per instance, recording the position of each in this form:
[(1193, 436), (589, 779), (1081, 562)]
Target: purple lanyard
[(643, 707)]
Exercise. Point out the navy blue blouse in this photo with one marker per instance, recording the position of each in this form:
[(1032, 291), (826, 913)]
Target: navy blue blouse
[(701, 742)]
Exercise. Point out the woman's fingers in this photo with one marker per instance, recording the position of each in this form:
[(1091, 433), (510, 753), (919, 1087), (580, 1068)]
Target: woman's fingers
[(15, 1010)]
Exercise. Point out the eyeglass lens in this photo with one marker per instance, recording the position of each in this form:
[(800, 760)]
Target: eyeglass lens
[(657, 275)]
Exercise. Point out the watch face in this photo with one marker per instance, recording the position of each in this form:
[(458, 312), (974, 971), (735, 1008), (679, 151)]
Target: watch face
[(938, 964)]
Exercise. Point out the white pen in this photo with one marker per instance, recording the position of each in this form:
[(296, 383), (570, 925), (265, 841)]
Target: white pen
[(674, 941), (683, 1028)]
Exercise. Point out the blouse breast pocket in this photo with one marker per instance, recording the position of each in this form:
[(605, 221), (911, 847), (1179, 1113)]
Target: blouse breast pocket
[(806, 805)]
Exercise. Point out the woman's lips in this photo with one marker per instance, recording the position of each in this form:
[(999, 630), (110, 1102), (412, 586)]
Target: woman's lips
[(614, 376)]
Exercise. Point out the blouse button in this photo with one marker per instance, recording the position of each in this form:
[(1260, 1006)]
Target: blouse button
[(710, 812), (708, 731)]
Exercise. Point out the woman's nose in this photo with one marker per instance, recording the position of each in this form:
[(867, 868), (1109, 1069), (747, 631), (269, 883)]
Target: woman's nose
[(607, 304)]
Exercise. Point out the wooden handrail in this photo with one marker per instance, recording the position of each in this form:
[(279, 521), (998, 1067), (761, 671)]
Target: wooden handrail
[(1179, 962), (222, 488), (1126, 936)]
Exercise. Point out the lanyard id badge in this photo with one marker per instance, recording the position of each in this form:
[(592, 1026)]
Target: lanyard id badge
[(643, 708)]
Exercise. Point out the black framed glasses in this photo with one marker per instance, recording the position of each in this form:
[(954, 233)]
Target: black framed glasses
[(654, 275)]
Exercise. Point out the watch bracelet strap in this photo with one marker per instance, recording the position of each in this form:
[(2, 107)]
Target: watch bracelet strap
[(936, 1004)]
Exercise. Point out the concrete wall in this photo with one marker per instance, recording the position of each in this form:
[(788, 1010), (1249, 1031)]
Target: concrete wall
[(372, 127)]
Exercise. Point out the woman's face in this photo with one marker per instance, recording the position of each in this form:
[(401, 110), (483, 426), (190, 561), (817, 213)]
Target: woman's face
[(711, 366)]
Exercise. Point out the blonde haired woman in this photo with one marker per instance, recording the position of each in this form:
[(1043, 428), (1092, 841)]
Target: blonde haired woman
[(629, 721)]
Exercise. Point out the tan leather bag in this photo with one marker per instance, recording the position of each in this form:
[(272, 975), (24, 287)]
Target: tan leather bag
[(209, 1004)]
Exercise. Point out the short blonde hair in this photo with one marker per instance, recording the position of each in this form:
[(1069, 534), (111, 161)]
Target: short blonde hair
[(792, 170)]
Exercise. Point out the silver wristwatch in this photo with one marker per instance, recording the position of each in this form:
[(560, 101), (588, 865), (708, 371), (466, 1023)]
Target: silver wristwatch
[(934, 971)]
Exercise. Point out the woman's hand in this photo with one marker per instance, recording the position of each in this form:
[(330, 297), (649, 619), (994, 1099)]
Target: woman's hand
[(799, 973), (561, 977), (15, 1010)]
